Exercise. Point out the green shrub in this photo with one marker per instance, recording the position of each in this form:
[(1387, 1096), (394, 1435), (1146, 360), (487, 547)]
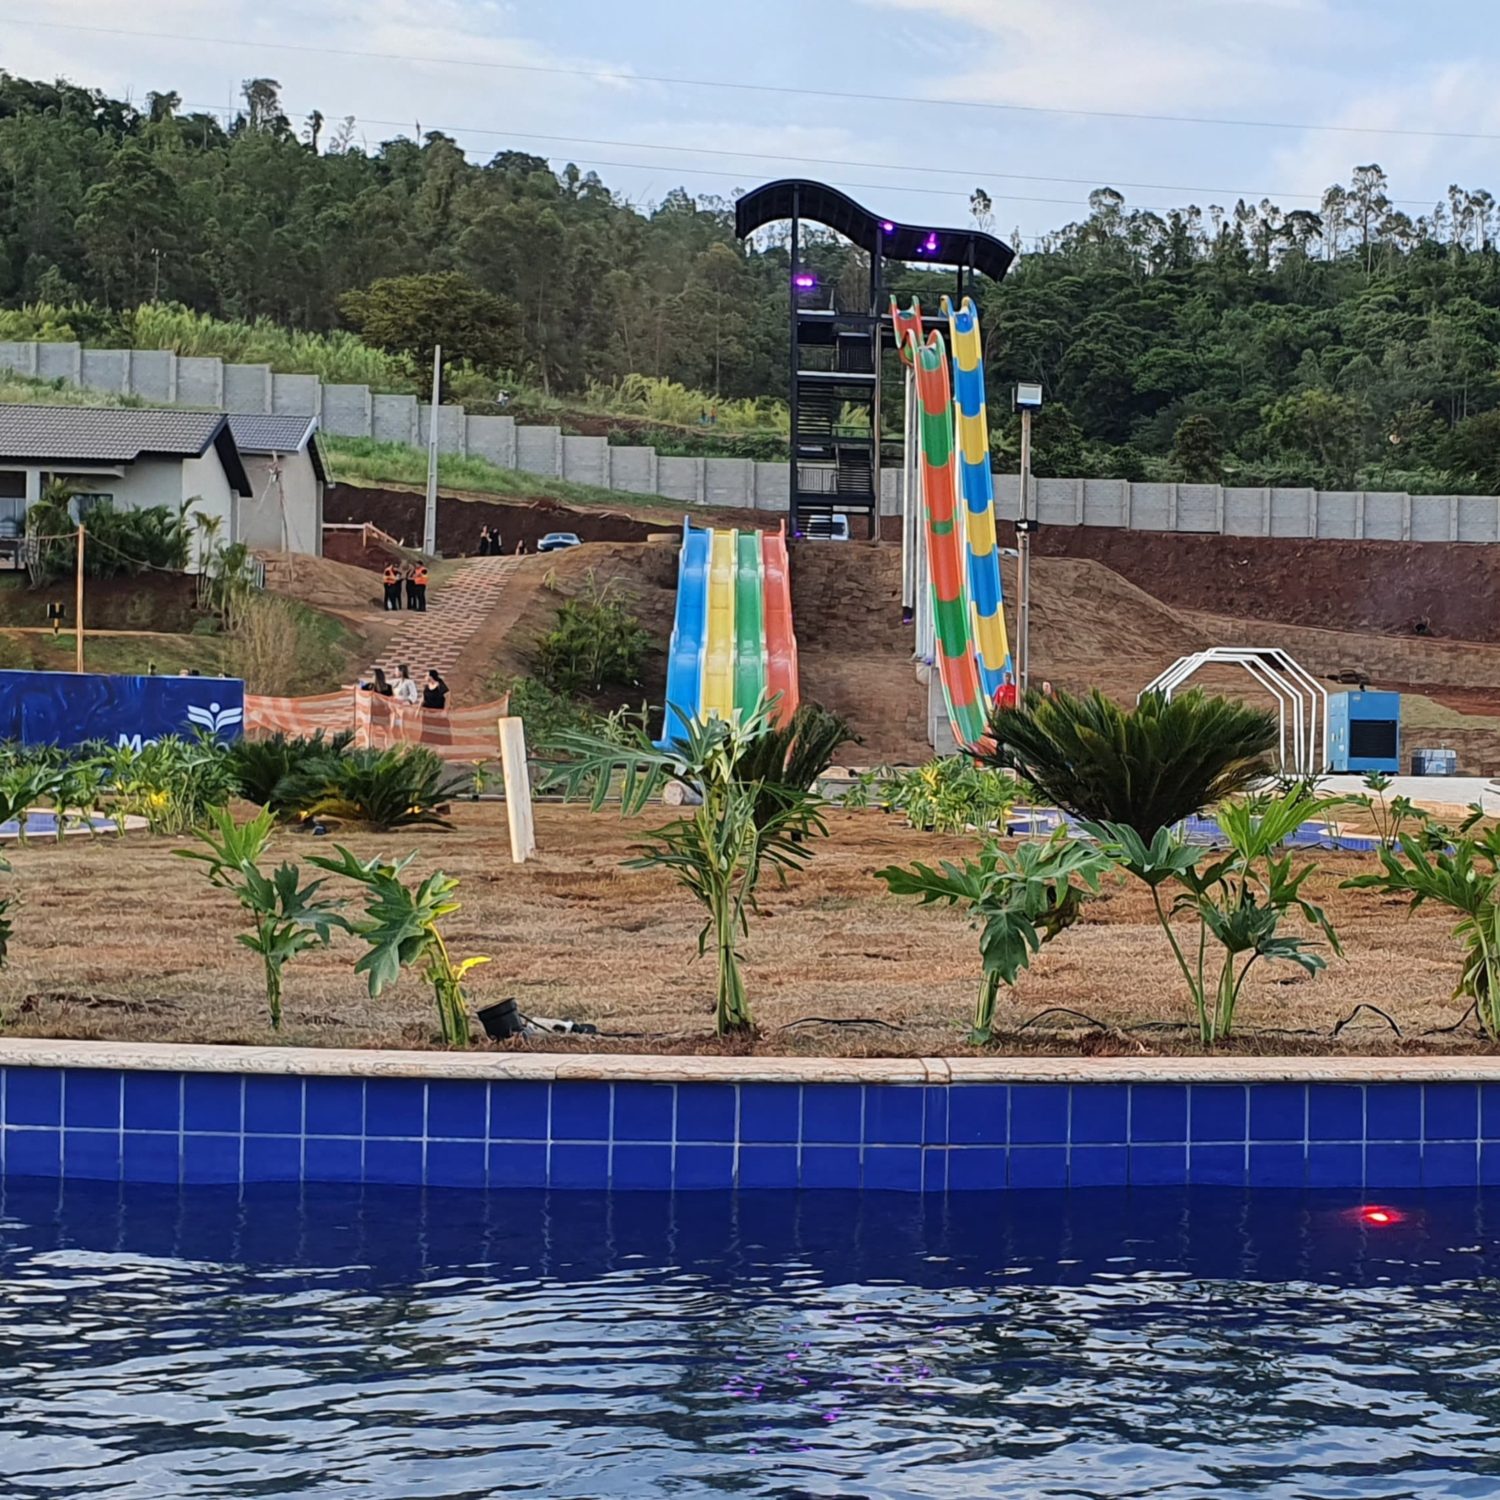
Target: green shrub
[(950, 795), (395, 788), (273, 772), (595, 642)]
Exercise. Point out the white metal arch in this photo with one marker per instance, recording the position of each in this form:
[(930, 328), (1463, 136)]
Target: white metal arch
[(1295, 690)]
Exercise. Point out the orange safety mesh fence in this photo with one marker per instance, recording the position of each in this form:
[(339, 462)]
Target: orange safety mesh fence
[(466, 734)]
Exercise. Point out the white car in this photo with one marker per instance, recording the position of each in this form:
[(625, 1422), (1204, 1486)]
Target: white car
[(555, 541)]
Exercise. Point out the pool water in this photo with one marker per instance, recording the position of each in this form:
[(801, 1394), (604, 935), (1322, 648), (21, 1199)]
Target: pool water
[(390, 1343)]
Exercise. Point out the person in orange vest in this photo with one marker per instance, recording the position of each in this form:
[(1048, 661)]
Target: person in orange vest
[(392, 580), (419, 587)]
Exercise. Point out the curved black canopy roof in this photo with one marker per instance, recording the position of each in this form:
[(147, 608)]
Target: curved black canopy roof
[(913, 242)]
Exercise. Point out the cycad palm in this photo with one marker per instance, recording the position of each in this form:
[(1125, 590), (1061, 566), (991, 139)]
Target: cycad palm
[(1144, 768)]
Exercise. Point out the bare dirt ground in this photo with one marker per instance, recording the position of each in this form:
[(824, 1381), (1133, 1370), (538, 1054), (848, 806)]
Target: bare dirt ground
[(126, 941)]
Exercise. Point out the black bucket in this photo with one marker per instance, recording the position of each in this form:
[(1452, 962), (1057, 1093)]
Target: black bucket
[(501, 1020)]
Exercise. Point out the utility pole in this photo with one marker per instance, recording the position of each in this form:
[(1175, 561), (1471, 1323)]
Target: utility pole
[(1027, 399), (78, 604), (429, 525)]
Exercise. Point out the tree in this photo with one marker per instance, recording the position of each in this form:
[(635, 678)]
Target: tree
[(1198, 450), (408, 315), (983, 210), (1318, 425), (130, 225), (263, 110)]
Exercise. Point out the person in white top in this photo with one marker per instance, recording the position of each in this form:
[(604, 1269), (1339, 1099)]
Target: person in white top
[(406, 690)]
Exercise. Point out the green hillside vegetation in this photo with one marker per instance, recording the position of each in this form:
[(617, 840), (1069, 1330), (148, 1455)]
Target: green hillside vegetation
[(1356, 344)]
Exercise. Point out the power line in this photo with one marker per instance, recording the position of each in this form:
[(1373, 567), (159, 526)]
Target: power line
[(847, 96)]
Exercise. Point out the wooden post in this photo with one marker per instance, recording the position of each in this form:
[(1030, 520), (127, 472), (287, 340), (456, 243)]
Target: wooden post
[(517, 790), (78, 605)]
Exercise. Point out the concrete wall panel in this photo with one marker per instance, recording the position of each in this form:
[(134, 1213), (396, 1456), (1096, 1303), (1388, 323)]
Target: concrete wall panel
[(393, 419), (728, 481), (539, 450), (1150, 507), (153, 374), (773, 488), (200, 381), (1292, 512), (106, 370), (1477, 520), (348, 411), (59, 362), (1431, 518), (633, 470), (1337, 515), (586, 460), (296, 395), (493, 438), (247, 388), (680, 479), (1245, 511), (1384, 517)]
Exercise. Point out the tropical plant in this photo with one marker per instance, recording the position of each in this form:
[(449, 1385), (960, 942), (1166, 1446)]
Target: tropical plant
[(718, 852), (399, 787), (171, 782), (1018, 901), (1144, 768), (1389, 815), (288, 917), (28, 784), (1238, 899), (1463, 874), (401, 927), (951, 794), (792, 754), (275, 772), (595, 642)]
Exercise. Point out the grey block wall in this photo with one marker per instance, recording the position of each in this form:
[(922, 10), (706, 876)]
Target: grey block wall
[(296, 395), (493, 438), (539, 450), (451, 429), (394, 419), (680, 479), (634, 470), (200, 381), (60, 362), (348, 410), (106, 370), (585, 460), (247, 388)]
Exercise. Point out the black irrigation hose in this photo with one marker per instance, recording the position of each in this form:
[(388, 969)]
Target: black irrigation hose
[(1473, 1010), (1065, 1010), (838, 1021), (1365, 1005)]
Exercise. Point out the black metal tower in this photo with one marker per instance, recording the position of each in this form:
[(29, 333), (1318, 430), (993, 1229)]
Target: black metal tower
[(835, 350)]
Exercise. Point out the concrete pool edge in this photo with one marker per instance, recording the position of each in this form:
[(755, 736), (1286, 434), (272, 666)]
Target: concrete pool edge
[(546, 1067)]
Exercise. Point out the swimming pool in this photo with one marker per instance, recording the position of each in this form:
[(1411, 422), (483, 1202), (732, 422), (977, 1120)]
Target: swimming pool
[(330, 1341)]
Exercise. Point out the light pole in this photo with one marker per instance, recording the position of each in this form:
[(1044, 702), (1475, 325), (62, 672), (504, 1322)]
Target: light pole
[(1026, 398)]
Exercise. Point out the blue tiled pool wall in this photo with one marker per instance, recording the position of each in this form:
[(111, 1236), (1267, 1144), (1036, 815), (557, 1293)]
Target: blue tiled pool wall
[(227, 1128)]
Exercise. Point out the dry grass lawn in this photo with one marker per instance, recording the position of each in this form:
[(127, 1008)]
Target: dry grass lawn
[(123, 940)]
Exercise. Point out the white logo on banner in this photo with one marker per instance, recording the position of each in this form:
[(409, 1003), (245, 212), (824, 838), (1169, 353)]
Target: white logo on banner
[(215, 719)]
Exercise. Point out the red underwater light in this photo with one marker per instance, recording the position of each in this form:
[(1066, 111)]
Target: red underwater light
[(1378, 1216)]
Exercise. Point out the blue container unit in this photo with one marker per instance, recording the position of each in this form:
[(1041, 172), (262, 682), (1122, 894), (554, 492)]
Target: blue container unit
[(1364, 732)]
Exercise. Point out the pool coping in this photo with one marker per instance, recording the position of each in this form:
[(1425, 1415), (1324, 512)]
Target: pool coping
[(43, 1052)]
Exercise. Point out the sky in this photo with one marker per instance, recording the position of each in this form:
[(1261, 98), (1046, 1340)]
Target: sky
[(1035, 101)]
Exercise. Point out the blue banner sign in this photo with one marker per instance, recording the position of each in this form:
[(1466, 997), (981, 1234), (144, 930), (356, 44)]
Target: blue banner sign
[(67, 708)]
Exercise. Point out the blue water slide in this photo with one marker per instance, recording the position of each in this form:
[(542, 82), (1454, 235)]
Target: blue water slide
[(689, 633)]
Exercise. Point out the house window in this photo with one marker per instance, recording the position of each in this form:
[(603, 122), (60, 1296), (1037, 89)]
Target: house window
[(12, 484), (84, 503)]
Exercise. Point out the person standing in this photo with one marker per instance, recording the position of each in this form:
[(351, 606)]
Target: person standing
[(392, 580), (405, 690), (419, 587), (411, 586), (484, 541), (377, 683), (434, 692)]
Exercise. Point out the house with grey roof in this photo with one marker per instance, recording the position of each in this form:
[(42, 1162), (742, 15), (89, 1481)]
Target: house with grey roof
[(130, 457), (287, 478)]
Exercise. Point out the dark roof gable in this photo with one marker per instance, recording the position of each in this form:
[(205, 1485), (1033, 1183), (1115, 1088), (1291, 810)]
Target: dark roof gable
[(254, 432)]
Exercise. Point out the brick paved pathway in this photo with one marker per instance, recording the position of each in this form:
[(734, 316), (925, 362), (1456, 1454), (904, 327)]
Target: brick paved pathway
[(434, 639)]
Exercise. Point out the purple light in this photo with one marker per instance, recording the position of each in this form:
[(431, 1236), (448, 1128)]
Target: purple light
[(805, 281), (887, 226), (930, 244)]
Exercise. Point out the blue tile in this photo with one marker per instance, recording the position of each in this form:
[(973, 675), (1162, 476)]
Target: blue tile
[(1278, 1112), (1450, 1112), (1275, 1166), (643, 1112), (1489, 1121), (395, 1108), (770, 1112), (1393, 1166), (1341, 1166), (703, 1166), (706, 1112), (1216, 1166), (1393, 1112), (331, 1158), (92, 1154), (151, 1158), (768, 1167), (832, 1112), (210, 1158), (272, 1158), (1450, 1164), (1101, 1114), (1158, 1113), (456, 1164), (336, 1106), (978, 1114), (1039, 1167), (397, 1163), (519, 1111), (1159, 1166), (934, 1169), (574, 1166), (153, 1101), (1098, 1166), (522, 1165), (974, 1168), (830, 1166), (273, 1106), (211, 1101), (1489, 1166), (642, 1168), (580, 1111), (456, 1110), (1217, 1112), (91, 1099), (33, 1153), (935, 1115), (33, 1096), (1335, 1112), (894, 1114), (1039, 1113), (893, 1168)]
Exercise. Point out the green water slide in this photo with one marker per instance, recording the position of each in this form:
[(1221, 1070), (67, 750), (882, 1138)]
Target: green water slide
[(749, 621)]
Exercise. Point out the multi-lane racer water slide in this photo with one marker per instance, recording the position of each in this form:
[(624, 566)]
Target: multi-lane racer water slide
[(732, 643), (960, 618)]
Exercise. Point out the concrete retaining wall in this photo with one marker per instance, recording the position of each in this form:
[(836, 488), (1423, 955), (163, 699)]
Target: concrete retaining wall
[(734, 483)]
